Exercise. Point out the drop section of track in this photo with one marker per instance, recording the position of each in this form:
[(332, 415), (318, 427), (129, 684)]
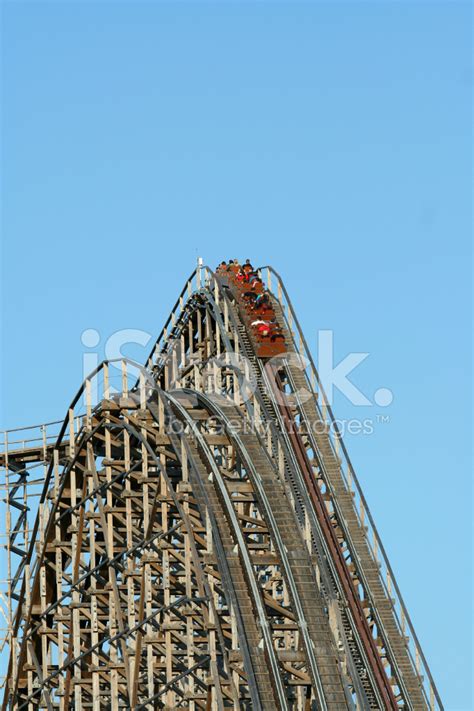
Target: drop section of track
[(295, 560), (389, 628), (248, 339)]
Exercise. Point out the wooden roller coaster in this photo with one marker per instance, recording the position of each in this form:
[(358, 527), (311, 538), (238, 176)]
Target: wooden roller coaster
[(197, 538)]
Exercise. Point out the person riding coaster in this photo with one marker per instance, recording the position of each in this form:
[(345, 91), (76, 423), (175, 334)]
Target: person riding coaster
[(255, 300), (249, 297), (266, 328), (233, 266), (262, 299)]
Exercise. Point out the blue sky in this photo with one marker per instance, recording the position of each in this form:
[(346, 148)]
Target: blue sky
[(332, 140)]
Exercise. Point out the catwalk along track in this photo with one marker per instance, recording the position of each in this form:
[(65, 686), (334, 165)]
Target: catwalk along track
[(199, 538)]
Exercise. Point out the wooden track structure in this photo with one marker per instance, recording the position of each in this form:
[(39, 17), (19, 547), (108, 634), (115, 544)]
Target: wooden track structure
[(197, 538)]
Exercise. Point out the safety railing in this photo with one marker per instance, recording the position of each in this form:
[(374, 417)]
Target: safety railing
[(202, 278), (276, 286)]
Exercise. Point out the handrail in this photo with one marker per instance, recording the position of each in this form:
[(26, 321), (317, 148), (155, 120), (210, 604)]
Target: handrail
[(282, 292), (30, 427)]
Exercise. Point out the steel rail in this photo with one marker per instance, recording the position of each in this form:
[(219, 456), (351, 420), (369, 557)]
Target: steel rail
[(348, 537), (328, 569), (350, 594)]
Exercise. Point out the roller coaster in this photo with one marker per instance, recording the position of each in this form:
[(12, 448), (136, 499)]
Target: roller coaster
[(196, 537)]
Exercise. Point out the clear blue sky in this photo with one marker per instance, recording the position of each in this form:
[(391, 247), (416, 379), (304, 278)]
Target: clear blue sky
[(331, 140)]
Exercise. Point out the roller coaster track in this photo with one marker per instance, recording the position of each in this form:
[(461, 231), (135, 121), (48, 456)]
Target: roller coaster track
[(197, 537)]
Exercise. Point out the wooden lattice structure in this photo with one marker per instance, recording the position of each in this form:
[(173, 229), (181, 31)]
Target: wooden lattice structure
[(198, 539)]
